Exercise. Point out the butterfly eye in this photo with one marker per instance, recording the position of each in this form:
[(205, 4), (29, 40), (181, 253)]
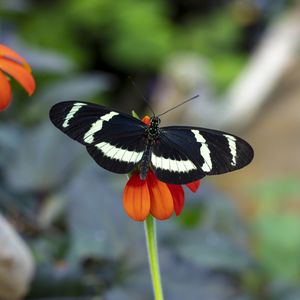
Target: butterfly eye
[(155, 121)]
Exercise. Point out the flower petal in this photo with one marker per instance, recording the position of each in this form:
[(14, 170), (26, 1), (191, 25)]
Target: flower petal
[(161, 198), (19, 73), (146, 120), (9, 53), (178, 197), (5, 92), (136, 198), (193, 186)]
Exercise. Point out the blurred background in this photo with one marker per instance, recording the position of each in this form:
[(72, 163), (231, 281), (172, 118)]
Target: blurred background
[(63, 232)]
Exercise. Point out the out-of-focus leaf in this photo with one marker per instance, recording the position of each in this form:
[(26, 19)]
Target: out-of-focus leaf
[(214, 251), (125, 293), (139, 32), (213, 212), (181, 280), (242, 297), (276, 191), (135, 26), (9, 137), (185, 280), (76, 87), (14, 5), (52, 209), (56, 35), (215, 37), (218, 242), (43, 61), (99, 226), (44, 158), (49, 62), (58, 282), (292, 295), (284, 290), (277, 251)]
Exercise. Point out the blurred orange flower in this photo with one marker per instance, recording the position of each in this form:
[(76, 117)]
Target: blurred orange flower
[(152, 196), (12, 64)]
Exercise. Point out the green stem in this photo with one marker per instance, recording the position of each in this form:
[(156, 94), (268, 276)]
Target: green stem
[(150, 232)]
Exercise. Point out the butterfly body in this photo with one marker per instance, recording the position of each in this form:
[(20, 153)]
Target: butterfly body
[(176, 154), (152, 135)]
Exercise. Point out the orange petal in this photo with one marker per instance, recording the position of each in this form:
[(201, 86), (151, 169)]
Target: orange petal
[(146, 120), (9, 53), (178, 197), (193, 186), (5, 92), (136, 198), (161, 198), (19, 73)]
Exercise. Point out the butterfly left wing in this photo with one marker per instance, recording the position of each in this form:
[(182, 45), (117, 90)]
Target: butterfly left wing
[(184, 154), (115, 140), (119, 153)]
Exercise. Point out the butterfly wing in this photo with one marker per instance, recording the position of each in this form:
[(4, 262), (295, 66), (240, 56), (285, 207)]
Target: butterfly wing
[(115, 140), (184, 154)]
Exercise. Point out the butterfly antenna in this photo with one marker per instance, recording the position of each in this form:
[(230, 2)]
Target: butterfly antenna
[(141, 94), (190, 99)]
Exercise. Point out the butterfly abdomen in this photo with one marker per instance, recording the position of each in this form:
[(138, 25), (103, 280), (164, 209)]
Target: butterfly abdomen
[(151, 134), (145, 161)]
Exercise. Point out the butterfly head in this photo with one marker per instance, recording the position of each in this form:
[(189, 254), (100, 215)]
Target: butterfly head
[(154, 122)]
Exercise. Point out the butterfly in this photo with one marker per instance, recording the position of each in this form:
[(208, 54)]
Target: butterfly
[(121, 143)]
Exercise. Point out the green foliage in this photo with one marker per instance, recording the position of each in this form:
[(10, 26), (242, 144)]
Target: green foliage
[(212, 35), (135, 115), (216, 37), (226, 68), (136, 36), (276, 228), (278, 244), (191, 216), (136, 33), (144, 37), (50, 29)]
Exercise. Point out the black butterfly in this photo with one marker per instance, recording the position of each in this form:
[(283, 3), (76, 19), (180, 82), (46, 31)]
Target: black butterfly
[(119, 143)]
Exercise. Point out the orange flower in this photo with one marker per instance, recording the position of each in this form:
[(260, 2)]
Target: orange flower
[(152, 196), (12, 64)]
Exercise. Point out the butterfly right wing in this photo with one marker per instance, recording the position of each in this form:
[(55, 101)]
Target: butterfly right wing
[(114, 140), (183, 154)]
